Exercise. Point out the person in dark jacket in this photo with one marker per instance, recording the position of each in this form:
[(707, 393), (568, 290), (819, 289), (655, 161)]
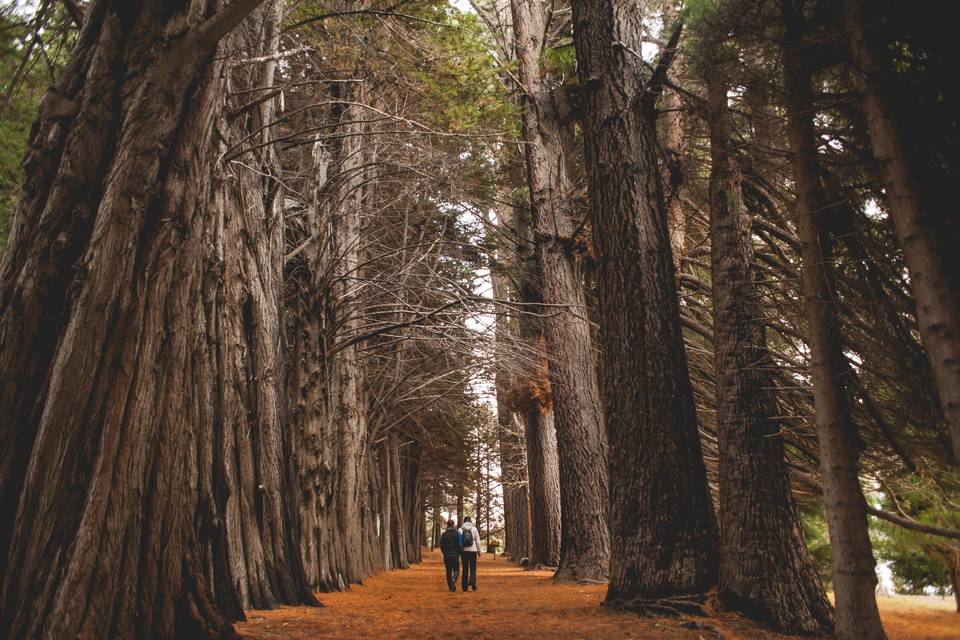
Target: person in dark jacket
[(450, 548)]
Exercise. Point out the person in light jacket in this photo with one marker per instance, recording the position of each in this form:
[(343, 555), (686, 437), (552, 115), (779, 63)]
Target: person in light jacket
[(469, 552)]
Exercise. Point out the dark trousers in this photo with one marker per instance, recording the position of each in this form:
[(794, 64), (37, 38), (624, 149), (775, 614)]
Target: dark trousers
[(469, 569), (452, 564)]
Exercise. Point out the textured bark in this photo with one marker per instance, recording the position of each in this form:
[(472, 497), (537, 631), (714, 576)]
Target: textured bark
[(513, 460), (543, 466), (122, 244), (348, 408), (513, 464), (854, 577), (656, 463), (584, 540), (543, 485), (311, 319), (396, 507), (915, 220), (411, 502), (673, 122), (261, 527), (765, 568)]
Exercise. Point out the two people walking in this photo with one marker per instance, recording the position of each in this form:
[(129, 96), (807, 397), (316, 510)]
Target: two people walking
[(460, 546)]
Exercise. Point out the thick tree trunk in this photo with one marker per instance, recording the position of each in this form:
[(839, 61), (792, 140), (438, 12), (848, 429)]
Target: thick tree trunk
[(915, 219), (122, 376), (765, 568), (584, 541), (543, 485), (347, 375), (261, 527), (656, 465), (312, 324), (543, 465), (854, 577)]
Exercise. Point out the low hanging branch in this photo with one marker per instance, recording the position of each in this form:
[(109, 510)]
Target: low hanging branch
[(909, 523)]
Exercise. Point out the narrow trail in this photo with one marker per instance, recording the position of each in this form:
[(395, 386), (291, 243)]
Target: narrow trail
[(511, 604)]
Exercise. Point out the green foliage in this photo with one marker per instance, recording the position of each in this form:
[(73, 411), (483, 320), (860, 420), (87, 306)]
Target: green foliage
[(915, 570), (13, 133), (22, 85), (456, 69), (561, 62), (920, 562), (813, 521)]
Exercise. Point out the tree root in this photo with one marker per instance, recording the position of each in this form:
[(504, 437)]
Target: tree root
[(673, 606), (681, 606)]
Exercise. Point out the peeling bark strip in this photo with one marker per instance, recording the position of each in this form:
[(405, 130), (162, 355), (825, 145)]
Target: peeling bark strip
[(584, 540), (854, 577), (133, 308), (765, 568), (656, 464)]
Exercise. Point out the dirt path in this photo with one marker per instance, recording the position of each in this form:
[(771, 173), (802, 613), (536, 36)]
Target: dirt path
[(511, 604)]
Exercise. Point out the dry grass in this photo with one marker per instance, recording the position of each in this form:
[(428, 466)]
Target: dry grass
[(512, 604)]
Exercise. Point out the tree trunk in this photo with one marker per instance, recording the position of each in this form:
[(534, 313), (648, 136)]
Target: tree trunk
[(543, 483), (116, 321), (765, 568), (386, 507), (347, 375), (955, 577), (915, 219), (261, 527), (478, 512), (854, 576), (584, 541), (656, 463), (674, 148), (513, 471), (312, 322), (543, 466)]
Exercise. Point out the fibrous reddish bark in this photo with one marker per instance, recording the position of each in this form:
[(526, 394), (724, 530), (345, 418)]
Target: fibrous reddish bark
[(543, 468), (765, 568), (114, 285), (656, 463), (581, 443)]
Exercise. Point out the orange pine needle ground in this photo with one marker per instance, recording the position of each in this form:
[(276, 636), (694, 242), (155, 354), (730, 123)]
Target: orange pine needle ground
[(512, 603)]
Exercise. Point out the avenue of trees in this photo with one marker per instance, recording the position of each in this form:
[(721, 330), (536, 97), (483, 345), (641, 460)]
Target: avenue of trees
[(265, 262)]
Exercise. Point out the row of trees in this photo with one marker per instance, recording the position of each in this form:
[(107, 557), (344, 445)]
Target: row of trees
[(743, 197), (244, 335), (236, 303)]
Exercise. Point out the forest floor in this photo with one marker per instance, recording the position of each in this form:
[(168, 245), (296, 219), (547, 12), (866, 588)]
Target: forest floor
[(512, 603)]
